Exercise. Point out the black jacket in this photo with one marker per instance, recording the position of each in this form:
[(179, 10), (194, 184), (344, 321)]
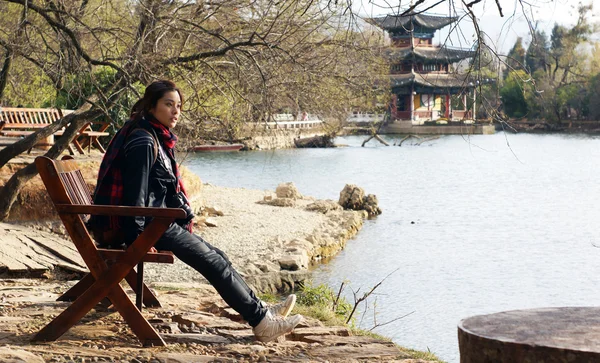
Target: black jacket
[(148, 179)]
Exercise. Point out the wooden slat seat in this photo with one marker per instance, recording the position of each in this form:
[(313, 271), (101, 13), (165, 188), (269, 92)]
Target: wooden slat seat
[(72, 199)]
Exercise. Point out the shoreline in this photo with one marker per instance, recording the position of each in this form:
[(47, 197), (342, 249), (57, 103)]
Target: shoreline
[(273, 241), (273, 247)]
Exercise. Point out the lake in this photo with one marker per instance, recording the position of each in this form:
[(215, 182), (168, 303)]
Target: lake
[(471, 224)]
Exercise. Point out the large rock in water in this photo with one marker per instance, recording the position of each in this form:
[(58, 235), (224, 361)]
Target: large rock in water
[(353, 197), (315, 142)]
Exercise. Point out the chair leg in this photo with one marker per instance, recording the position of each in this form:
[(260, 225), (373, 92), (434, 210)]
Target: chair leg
[(98, 145), (77, 289), (107, 285), (139, 292), (70, 316), (150, 300)]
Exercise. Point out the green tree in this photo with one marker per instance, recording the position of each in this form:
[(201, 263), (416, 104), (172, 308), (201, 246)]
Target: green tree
[(593, 95), (560, 86), (513, 94)]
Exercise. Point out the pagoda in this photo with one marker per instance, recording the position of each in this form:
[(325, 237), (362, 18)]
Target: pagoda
[(422, 80)]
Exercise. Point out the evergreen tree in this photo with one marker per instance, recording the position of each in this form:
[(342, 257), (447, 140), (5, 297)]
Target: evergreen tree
[(516, 58), (537, 52)]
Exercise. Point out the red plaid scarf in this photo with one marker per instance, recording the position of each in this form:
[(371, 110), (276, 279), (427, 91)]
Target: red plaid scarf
[(109, 188)]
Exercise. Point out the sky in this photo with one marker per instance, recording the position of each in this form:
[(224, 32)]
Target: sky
[(502, 31)]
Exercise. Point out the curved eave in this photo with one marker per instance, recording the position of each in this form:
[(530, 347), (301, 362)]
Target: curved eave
[(443, 53), (392, 22), (433, 80)]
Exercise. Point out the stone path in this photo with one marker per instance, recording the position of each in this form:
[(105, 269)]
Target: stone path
[(195, 322), (27, 250)]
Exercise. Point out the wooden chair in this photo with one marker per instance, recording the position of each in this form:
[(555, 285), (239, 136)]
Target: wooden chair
[(87, 137), (72, 199)]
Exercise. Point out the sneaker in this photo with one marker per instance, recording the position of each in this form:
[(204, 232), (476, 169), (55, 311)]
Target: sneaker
[(271, 327), (283, 308)]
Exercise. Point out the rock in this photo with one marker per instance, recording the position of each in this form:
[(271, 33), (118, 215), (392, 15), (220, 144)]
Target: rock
[(288, 190), (190, 358), (342, 340), (300, 243), (213, 211), (321, 141), (300, 333), (294, 262), (210, 222), (10, 355), (350, 353), (353, 197), (323, 206), (207, 321), (280, 202), (195, 338), (371, 205)]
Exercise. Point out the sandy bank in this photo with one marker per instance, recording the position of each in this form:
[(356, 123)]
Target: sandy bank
[(272, 246)]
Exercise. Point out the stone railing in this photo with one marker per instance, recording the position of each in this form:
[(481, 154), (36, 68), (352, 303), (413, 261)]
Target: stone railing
[(366, 117)]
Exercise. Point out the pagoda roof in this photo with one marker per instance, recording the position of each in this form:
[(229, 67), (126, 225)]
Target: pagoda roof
[(390, 22), (431, 53), (438, 80)]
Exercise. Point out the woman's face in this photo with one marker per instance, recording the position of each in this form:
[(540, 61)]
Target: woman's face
[(168, 109)]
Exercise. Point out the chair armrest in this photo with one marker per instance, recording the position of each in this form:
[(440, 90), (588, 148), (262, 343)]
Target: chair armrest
[(118, 210)]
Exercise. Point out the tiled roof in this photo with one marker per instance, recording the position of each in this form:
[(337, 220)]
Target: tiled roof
[(440, 80), (434, 53), (390, 22)]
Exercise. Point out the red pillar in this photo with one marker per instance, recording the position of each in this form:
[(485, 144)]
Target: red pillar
[(412, 101)]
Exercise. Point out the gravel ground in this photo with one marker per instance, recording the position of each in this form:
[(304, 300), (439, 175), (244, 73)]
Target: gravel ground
[(247, 232)]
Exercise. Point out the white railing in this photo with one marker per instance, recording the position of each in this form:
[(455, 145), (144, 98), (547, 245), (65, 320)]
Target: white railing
[(288, 121), (365, 117), (294, 124)]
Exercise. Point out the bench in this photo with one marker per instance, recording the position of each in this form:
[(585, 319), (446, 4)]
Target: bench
[(72, 199), (21, 122)]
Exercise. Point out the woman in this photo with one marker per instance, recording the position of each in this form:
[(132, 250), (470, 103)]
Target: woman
[(139, 169)]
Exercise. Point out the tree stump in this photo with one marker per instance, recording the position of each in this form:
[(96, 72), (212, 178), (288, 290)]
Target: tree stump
[(549, 335)]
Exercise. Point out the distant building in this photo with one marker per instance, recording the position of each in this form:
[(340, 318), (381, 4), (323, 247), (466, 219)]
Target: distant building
[(423, 83)]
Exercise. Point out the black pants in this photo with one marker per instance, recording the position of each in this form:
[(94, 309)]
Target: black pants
[(214, 265)]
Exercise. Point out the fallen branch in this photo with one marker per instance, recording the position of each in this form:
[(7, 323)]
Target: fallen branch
[(381, 140), (406, 138), (428, 139), (377, 137), (388, 322), (357, 301), (367, 140)]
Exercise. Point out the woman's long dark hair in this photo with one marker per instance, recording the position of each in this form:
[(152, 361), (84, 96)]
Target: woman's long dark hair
[(154, 92)]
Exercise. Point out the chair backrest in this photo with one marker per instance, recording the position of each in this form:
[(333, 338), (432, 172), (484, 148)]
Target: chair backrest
[(65, 185), (64, 181)]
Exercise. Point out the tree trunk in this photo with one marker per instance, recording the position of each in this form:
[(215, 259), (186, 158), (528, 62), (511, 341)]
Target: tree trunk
[(4, 71)]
